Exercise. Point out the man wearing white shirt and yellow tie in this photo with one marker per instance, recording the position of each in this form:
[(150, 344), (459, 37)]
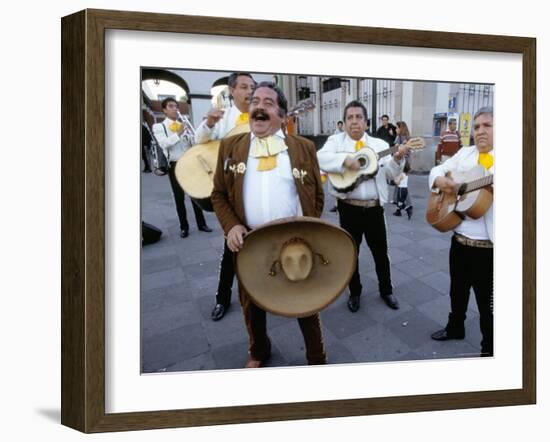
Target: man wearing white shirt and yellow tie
[(471, 253), (170, 134), (218, 124), (260, 177), (361, 210)]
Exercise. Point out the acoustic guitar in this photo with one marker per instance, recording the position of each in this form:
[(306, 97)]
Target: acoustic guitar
[(473, 198), (196, 167), (368, 158)]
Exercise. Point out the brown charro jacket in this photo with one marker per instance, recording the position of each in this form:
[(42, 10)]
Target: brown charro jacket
[(227, 195)]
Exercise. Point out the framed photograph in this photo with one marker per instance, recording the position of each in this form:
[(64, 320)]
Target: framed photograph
[(139, 349)]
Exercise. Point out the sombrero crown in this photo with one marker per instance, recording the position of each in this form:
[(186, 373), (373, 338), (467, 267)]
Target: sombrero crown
[(296, 266)]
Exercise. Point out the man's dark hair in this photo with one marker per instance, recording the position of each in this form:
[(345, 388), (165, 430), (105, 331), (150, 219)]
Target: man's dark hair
[(167, 100), (484, 110), (384, 116), (281, 99), (232, 80), (356, 103), (340, 122)]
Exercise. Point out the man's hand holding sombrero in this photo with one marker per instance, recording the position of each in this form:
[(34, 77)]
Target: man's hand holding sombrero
[(235, 237)]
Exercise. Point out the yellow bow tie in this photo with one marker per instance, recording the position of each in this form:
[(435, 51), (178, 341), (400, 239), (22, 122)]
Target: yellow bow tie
[(486, 160), (174, 127), (242, 119), (359, 144), (267, 149)]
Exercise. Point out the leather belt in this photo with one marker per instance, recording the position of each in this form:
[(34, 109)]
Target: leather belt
[(480, 243), (362, 203)]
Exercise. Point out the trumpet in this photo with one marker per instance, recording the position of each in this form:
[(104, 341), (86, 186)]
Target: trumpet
[(189, 131)]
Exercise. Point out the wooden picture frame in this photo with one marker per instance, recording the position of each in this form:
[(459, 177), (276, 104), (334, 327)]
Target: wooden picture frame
[(83, 220)]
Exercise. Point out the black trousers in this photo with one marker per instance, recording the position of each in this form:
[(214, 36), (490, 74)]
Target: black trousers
[(179, 198), (227, 274), (145, 158), (471, 267), (370, 223)]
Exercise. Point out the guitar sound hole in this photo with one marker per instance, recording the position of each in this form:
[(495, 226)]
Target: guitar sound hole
[(362, 161)]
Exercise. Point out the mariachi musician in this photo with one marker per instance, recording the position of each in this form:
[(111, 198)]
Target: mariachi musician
[(261, 177), (218, 124), (362, 209), (471, 253), (172, 137)]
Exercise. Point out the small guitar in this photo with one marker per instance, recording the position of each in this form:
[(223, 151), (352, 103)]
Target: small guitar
[(368, 158), (473, 199)]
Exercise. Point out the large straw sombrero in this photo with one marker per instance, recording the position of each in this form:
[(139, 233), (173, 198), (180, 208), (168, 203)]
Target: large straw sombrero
[(296, 266)]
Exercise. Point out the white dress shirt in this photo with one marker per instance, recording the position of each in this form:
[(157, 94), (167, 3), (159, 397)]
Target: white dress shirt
[(341, 146), (466, 158), (271, 194), (204, 133), (171, 143)]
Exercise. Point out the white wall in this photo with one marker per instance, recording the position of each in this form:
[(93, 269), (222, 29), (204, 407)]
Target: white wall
[(30, 226)]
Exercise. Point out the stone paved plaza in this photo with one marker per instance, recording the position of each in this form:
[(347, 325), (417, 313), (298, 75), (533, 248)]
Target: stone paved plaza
[(179, 279)]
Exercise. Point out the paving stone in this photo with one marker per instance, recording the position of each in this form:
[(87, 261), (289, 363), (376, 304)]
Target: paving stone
[(336, 351), (164, 297), (289, 340), (201, 362), (161, 249), (230, 329), (157, 264), (376, 344), (413, 327), (398, 277), (398, 240), (439, 281), (416, 293), (164, 350), (435, 243), (414, 267), (202, 269), (397, 255), (162, 279), (343, 323), (165, 319), (378, 311), (231, 356), (454, 348)]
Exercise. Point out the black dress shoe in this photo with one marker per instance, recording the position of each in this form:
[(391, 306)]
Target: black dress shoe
[(391, 301), (205, 228), (354, 303), (184, 233), (147, 170), (218, 312), (444, 335)]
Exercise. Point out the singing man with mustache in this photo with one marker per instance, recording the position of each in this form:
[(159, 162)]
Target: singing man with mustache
[(263, 176), (471, 253)]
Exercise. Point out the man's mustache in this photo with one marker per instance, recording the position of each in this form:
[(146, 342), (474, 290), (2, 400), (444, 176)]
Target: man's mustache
[(260, 115)]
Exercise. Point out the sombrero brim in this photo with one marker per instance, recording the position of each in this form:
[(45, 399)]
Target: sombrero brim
[(276, 294)]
